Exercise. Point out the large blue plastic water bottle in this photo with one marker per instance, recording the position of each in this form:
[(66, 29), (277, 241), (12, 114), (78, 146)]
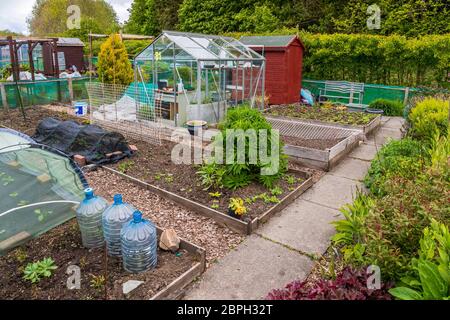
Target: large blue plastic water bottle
[(89, 216), (114, 218), (139, 244)]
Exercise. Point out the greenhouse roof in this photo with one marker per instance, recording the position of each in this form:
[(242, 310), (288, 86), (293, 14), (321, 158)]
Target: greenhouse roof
[(202, 47)]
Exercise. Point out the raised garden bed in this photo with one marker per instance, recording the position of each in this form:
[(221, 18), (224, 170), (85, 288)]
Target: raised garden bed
[(334, 116), (153, 169), (63, 245), (315, 145), (244, 226)]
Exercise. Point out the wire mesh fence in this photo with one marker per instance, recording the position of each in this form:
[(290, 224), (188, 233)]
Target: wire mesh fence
[(134, 110)]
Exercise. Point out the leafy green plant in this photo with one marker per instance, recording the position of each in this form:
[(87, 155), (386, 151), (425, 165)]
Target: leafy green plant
[(240, 130), (431, 280), (390, 107), (429, 117), (277, 191), (98, 282), (42, 214), (35, 271), (215, 206), (168, 178), (211, 175), (289, 179), (124, 166), (351, 229), (216, 194)]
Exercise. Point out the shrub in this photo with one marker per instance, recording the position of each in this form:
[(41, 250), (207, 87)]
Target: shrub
[(113, 64), (390, 107), (431, 280), (401, 158), (393, 228), (349, 284), (428, 117), (241, 173)]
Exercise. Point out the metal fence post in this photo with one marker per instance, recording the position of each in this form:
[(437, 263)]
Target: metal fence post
[(405, 101)]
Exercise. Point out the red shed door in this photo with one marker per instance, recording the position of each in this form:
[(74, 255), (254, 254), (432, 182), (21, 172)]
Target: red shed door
[(276, 76)]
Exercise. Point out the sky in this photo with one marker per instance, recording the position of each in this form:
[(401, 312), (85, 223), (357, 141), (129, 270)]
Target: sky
[(13, 14)]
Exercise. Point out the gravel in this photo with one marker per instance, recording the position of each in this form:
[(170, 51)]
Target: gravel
[(202, 231)]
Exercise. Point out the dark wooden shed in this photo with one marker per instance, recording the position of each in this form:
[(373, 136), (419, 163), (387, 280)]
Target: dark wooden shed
[(284, 61), (70, 53)]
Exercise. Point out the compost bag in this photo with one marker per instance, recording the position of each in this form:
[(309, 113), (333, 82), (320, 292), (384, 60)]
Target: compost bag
[(90, 141)]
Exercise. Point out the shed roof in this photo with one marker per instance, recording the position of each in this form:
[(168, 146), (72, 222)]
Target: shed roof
[(70, 42), (201, 47), (267, 41)]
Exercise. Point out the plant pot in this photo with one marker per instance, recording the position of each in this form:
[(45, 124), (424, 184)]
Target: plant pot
[(195, 125), (374, 111), (231, 213)]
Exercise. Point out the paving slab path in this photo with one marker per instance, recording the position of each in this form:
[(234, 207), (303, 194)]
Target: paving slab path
[(284, 249)]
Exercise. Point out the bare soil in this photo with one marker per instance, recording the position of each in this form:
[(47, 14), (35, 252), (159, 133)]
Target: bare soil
[(63, 245), (319, 144)]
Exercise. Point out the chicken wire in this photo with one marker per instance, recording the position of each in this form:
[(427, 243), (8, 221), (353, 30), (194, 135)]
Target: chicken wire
[(133, 110), (309, 131)]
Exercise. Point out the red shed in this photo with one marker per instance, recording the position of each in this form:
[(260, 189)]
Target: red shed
[(284, 61)]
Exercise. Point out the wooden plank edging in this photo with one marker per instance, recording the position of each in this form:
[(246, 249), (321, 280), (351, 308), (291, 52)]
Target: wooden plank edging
[(239, 226)]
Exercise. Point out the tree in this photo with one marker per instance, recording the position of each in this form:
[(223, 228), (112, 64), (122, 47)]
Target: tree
[(6, 32), (113, 64), (49, 18), (259, 19), (149, 17)]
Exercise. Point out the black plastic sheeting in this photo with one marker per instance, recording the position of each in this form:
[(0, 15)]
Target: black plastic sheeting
[(90, 141)]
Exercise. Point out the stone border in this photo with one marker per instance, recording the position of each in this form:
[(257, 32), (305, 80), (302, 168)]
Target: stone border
[(177, 287), (239, 226)]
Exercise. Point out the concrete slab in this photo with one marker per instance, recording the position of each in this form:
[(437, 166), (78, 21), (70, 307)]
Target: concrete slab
[(304, 226), (352, 169), (251, 271), (383, 135), (395, 123), (332, 191), (366, 152)]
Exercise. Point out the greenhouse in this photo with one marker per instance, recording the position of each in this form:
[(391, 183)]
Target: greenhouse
[(197, 77)]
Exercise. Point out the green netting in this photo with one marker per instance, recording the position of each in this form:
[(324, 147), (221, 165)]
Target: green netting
[(371, 91), (44, 92), (38, 186)]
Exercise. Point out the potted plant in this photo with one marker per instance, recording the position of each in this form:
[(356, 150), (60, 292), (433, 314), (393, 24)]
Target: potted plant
[(194, 125), (236, 208)]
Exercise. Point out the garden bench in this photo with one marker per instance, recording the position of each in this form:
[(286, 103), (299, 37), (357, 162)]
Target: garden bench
[(338, 90)]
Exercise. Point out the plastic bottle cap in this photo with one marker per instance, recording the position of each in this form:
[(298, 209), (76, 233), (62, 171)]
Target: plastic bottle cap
[(137, 217), (118, 199), (89, 193)]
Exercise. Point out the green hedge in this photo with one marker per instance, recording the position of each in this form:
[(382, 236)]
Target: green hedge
[(389, 60)]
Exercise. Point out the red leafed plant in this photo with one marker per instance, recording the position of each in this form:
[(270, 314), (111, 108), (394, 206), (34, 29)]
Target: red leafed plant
[(349, 285)]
